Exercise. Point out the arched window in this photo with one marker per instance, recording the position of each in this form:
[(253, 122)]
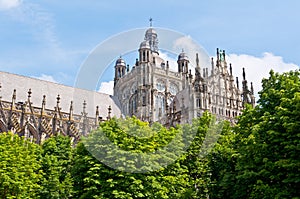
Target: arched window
[(159, 105), (144, 56), (132, 105)]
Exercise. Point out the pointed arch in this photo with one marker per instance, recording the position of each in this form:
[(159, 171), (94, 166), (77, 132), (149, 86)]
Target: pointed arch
[(33, 132), (3, 127)]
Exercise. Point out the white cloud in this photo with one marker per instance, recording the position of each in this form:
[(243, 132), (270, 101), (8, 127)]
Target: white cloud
[(107, 87), (9, 4), (257, 68), (44, 77), (190, 47), (168, 57)]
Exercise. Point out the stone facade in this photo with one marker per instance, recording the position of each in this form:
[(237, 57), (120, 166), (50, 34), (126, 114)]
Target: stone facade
[(40, 109), (154, 93), (149, 90)]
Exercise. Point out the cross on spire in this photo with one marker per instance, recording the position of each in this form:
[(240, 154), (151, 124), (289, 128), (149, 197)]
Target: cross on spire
[(150, 20)]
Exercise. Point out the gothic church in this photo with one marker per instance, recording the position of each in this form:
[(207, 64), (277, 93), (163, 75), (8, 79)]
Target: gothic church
[(150, 90), (154, 93)]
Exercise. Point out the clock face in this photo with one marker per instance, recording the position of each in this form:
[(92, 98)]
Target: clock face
[(160, 86), (173, 89)]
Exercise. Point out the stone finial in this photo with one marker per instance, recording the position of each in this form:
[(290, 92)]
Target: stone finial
[(136, 62), (71, 111), (57, 100), (237, 82), (14, 96), (252, 90), (197, 61), (43, 104), (212, 66), (230, 69), (84, 107), (97, 111), (13, 100), (97, 116), (244, 74), (109, 112), (29, 94), (44, 100)]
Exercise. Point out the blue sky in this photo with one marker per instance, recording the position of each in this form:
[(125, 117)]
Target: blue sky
[(51, 39)]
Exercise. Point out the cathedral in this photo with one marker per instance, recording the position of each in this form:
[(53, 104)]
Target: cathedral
[(149, 90), (154, 93)]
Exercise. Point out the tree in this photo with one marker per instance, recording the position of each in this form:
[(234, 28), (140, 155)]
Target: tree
[(162, 171), (56, 165), (222, 162), (269, 144), (20, 164)]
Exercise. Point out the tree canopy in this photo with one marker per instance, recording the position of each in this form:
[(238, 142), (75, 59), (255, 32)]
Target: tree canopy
[(258, 157)]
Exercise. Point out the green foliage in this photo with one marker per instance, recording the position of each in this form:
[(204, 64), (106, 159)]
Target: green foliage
[(261, 158), (186, 176), (20, 173), (222, 160), (269, 161), (256, 158), (56, 166)]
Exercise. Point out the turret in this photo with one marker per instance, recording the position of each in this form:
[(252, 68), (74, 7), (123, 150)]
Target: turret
[(183, 63), (120, 69), (144, 52)]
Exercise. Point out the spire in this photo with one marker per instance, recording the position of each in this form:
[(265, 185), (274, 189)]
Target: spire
[(29, 94), (97, 116), (230, 69), (237, 82), (223, 56), (252, 90), (71, 111), (197, 61), (150, 21), (212, 66), (84, 108), (57, 101), (197, 69), (97, 112), (13, 100), (43, 105), (244, 74), (151, 38), (218, 58), (109, 112)]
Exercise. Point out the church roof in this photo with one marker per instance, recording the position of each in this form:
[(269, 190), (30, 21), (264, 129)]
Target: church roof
[(22, 84)]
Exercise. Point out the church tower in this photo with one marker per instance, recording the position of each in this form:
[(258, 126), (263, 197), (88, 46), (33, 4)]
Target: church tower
[(120, 69), (183, 63)]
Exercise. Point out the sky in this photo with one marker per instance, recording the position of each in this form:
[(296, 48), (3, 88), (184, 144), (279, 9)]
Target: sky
[(52, 40)]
